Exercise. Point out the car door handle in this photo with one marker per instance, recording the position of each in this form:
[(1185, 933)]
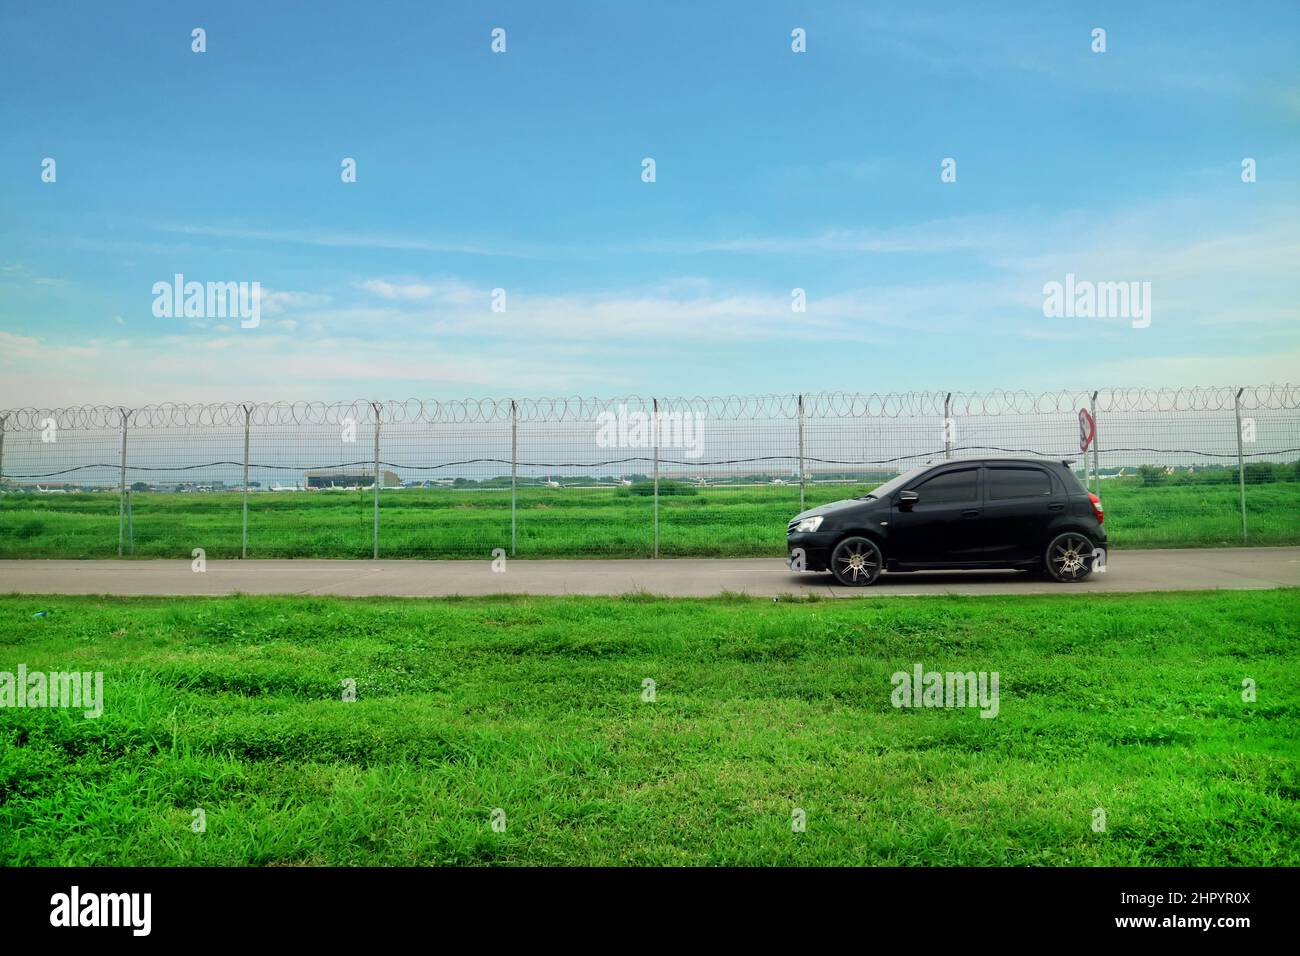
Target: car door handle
[(1056, 507), (970, 514)]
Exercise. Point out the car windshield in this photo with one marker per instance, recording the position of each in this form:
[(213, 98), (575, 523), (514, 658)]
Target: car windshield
[(892, 485)]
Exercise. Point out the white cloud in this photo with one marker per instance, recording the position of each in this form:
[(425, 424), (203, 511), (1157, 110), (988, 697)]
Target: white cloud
[(275, 302), (1222, 286), (401, 293), (22, 347), (264, 365), (1248, 369), (348, 240)]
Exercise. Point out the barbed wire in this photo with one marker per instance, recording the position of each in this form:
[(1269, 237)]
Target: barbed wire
[(717, 408)]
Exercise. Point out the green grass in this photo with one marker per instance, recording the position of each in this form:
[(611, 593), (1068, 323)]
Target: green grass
[(563, 522), (533, 705)]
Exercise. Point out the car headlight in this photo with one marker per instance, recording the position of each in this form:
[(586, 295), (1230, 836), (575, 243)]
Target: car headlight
[(809, 524)]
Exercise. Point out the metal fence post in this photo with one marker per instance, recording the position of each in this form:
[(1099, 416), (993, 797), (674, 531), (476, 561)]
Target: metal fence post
[(1096, 445), (248, 412), (121, 489), (656, 507), (3, 419), (514, 471), (801, 459), (1241, 463), (947, 425), (375, 406)]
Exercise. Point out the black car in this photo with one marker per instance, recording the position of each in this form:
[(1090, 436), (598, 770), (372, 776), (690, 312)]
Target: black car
[(993, 513)]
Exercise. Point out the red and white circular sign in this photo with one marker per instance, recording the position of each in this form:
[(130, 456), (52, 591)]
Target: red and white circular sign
[(1087, 429)]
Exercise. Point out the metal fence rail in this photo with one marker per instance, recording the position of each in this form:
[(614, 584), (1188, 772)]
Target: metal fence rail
[(618, 477)]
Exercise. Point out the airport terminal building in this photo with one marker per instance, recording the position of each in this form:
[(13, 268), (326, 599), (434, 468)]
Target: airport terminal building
[(350, 478)]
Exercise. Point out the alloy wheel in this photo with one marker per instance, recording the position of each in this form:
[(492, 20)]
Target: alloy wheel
[(856, 562)]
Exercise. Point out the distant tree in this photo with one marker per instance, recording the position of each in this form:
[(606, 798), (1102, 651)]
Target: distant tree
[(1259, 472), (1151, 475), (666, 488), (139, 486)]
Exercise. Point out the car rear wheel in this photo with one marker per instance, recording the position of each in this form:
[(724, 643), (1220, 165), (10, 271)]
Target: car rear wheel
[(857, 562), (1069, 557)]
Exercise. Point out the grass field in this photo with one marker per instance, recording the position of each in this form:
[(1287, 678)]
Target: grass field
[(559, 522), (1131, 704)]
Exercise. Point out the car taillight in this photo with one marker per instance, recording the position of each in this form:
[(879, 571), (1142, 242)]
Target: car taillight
[(1096, 506)]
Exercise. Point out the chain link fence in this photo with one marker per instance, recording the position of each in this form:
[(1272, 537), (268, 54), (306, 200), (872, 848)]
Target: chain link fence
[(631, 477)]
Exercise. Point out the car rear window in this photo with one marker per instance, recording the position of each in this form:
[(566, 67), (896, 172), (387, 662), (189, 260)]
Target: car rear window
[(1018, 483), (1072, 482)]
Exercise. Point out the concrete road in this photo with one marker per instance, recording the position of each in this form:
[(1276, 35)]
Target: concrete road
[(1233, 568)]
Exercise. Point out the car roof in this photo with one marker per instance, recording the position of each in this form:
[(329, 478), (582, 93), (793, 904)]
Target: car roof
[(999, 461)]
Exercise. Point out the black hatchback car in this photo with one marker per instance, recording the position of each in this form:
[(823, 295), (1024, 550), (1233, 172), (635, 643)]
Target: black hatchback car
[(993, 513)]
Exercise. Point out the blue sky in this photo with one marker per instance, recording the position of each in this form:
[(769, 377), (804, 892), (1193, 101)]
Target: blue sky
[(522, 171)]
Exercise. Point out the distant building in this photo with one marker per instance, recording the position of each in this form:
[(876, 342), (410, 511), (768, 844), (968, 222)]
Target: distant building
[(351, 478)]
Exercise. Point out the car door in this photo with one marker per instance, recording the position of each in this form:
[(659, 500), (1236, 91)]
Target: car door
[(942, 526), (1020, 501)]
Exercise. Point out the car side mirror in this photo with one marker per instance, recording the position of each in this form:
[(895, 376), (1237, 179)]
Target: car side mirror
[(907, 498)]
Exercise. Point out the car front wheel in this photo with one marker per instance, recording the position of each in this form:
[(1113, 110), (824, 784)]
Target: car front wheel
[(857, 562), (1069, 557)]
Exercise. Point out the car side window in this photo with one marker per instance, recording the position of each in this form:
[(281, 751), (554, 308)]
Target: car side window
[(950, 487), (1018, 483)]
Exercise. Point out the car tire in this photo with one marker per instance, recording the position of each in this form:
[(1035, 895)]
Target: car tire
[(856, 562), (1068, 557)]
